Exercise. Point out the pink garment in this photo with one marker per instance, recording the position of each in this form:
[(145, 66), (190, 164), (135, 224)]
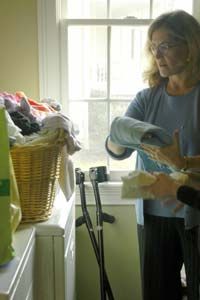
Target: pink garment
[(34, 110)]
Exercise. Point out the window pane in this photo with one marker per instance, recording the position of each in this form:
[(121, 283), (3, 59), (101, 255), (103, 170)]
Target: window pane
[(127, 44), (87, 9), (118, 109), (91, 118), (127, 8), (160, 7), (87, 62)]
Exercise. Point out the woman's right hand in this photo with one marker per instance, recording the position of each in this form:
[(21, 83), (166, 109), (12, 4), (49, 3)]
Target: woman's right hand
[(168, 155)]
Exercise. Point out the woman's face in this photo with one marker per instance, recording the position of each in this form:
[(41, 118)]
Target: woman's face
[(170, 54)]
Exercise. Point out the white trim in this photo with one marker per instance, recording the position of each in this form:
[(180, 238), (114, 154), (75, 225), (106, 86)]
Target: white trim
[(114, 177), (109, 22), (41, 45), (49, 48), (110, 194)]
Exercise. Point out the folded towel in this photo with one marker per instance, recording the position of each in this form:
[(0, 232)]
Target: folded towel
[(135, 184), (130, 133)]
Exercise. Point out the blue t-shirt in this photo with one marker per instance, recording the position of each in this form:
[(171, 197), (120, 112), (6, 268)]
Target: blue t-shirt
[(155, 106)]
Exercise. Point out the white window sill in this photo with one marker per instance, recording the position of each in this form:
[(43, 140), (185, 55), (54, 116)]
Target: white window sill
[(110, 194)]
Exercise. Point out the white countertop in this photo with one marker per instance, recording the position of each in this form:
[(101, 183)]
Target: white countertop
[(57, 223)]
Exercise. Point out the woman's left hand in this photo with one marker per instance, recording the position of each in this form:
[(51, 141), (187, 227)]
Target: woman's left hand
[(165, 189), (168, 155)]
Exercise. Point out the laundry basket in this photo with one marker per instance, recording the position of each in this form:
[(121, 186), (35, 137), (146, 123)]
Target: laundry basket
[(37, 171)]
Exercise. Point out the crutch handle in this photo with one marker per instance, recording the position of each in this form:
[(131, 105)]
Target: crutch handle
[(98, 174), (80, 176), (108, 218), (80, 221)]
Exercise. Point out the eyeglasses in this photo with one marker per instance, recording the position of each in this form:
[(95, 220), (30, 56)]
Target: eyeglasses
[(163, 48)]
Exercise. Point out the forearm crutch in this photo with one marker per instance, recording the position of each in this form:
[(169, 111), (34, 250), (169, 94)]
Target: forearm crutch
[(85, 218), (96, 175)]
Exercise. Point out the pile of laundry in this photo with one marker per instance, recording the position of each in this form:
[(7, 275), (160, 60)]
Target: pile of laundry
[(42, 123), (30, 121)]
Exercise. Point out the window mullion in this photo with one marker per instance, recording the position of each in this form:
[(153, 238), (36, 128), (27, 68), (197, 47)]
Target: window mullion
[(108, 60), (108, 9), (64, 67), (108, 22), (108, 80), (196, 9), (151, 9)]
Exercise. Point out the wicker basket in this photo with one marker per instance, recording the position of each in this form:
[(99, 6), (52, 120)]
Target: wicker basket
[(37, 170)]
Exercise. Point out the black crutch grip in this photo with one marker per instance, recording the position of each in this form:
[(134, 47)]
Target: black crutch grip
[(98, 174), (80, 221), (108, 218), (80, 176)]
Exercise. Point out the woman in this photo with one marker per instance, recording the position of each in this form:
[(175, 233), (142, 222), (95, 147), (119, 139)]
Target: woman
[(172, 102)]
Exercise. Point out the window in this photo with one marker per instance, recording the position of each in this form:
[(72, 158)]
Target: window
[(100, 64)]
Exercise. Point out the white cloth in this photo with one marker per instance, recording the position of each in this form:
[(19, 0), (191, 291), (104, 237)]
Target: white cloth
[(66, 178), (58, 121), (135, 185)]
